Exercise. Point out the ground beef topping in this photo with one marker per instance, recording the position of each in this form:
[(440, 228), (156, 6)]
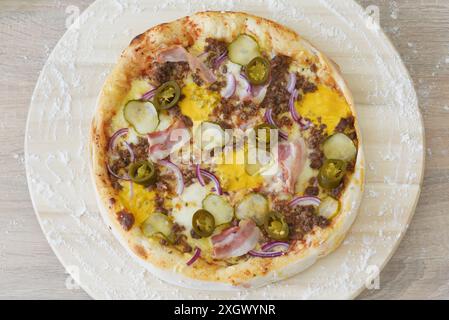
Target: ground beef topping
[(159, 203), (189, 175), (197, 79), (140, 149), (277, 96), (215, 48), (223, 112), (300, 219), (346, 126), (181, 239), (316, 159), (312, 191), (317, 136), (170, 71), (247, 110), (304, 85), (121, 162), (217, 86), (126, 219), (337, 192), (285, 122), (229, 109)]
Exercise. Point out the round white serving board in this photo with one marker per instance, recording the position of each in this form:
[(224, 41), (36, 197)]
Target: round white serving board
[(64, 101)]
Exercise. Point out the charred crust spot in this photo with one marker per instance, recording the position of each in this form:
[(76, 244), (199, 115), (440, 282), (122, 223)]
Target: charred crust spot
[(137, 39), (126, 219), (140, 251)]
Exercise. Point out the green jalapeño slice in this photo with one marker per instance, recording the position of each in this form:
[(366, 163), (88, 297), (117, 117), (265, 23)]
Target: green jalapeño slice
[(142, 172), (258, 71), (276, 227), (203, 223), (167, 95), (332, 173)]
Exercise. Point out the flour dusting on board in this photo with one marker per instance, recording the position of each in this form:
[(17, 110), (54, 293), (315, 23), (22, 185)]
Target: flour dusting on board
[(57, 157)]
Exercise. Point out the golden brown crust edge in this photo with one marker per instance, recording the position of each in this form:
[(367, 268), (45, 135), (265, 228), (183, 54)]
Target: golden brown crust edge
[(168, 264)]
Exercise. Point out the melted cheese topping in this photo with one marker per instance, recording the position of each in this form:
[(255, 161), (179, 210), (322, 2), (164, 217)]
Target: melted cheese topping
[(141, 204), (233, 176), (326, 104), (138, 89), (198, 102)]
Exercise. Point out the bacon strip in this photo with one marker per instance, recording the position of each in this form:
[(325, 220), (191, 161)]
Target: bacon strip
[(292, 160), (180, 54), (163, 143), (236, 241)]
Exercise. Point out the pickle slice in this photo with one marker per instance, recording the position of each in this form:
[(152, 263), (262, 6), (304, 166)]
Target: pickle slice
[(158, 223), (141, 115), (220, 208), (210, 135), (254, 206), (340, 147), (329, 208), (243, 49)]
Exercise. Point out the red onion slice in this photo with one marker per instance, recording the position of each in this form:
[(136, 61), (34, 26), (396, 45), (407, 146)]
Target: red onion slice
[(202, 55), (275, 244), (231, 86), (259, 93), (126, 178), (196, 255), (291, 105), (291, 82), (213, 178), (248, 86), (305, 201), (149, 95), (179, 178), (199, 175), (267, 247), (303, 123), (115, 136), (111, 147), (262, 254), (131, 152), (269, 118), (220, 59)]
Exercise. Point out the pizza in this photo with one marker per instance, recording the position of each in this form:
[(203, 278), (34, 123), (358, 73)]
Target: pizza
[(226, 152)]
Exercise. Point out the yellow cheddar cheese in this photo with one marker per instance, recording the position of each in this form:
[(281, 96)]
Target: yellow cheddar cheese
[(325, 103), (198, 102)]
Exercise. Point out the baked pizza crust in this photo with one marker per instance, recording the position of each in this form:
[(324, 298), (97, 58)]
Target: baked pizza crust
[(162, 261)]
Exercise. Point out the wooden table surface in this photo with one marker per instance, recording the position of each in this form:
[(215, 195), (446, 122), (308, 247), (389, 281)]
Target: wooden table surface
[(30, 29)]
